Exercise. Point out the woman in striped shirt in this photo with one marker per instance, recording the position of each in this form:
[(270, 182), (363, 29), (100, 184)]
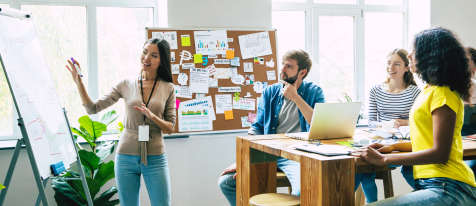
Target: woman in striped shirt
[(391, 100)]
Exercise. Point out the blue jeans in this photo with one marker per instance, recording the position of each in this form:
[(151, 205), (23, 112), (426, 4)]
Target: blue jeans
[(370, 188), (128, 170), (368, 185), (435, 192), (290, 168)]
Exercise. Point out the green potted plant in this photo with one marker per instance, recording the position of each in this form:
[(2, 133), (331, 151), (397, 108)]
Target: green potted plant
[(98, 171)]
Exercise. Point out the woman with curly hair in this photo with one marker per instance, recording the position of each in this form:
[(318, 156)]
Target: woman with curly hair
[(436, 119)]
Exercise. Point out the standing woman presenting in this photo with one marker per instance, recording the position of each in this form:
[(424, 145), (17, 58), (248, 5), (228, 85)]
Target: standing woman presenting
[(150, 110)]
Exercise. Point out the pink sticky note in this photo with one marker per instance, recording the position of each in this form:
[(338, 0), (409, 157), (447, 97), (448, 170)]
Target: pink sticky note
[(251, 117), (177, 103)]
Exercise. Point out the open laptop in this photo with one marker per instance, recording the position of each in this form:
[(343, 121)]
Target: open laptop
[(330, 121)]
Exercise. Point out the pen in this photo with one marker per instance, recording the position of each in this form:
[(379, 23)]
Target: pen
[(78, 70)]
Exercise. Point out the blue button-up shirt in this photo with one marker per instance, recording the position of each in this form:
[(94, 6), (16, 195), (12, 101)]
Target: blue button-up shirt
[(270, 104)]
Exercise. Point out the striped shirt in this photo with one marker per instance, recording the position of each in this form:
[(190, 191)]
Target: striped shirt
[(385, 106)]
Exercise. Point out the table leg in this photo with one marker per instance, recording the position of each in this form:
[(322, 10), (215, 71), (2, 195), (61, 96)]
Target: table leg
[(327, 182)]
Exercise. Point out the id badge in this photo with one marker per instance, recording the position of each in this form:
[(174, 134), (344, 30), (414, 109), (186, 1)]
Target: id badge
[(143, 133)]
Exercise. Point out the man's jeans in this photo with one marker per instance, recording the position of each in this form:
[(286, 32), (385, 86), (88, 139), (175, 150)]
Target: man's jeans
[(290, 168), (435, 192)]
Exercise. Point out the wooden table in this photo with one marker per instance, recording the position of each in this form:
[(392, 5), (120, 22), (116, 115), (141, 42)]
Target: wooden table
[(324, 180)]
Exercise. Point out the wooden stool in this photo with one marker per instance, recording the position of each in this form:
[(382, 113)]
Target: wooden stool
[(282, 181), (274, 199)]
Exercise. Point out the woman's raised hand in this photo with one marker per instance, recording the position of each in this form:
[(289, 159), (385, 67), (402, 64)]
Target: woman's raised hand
[(74, 71)]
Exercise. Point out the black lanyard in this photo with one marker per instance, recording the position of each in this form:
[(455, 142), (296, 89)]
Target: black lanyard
[(142, 93)]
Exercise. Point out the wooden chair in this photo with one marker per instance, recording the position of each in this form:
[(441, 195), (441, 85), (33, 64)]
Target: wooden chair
[(386, 177), (274, 199), (282, 181)]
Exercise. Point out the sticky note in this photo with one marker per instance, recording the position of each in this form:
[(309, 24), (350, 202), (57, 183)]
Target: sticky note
[(197, 58), (228, 114), (230, 54), (177, 103), (185, 40), (236, 96)]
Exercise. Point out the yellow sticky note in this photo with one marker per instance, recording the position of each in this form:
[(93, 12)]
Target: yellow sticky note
[(185, 40), (228, 114), (230, 54), (197, 58)]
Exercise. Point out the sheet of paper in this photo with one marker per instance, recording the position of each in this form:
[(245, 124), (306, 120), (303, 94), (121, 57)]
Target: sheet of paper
[(188, 66), (194, 115), (230, 54), (199, 80), (185, 40), (169, 36), (221, 61), (172, 56), (182, 79), (253, 45), (197, 58), (212, 83), (229, 89), (209, 103), (248, 67), (223, 103), (223, 73), (228, 114), (244, 104), (249, 79), (271, 75), (238, 79), (210, 42), (235, 62), (183, 91), (270, 63), (245, 122), (175, 68)]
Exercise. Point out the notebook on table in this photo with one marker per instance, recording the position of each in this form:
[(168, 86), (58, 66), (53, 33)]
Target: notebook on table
[(325, 149)]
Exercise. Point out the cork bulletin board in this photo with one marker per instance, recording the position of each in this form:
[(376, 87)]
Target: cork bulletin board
[(233, 72)]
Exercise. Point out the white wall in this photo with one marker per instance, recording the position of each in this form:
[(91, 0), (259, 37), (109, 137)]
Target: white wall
[(220, 13), (457, 15)]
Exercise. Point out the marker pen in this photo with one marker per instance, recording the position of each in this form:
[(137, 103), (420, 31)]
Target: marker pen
[(78, 70)]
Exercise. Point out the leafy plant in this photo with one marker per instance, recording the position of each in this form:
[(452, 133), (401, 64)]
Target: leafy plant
[(98, 172)]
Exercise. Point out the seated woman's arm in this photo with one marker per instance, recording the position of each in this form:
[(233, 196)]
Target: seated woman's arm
[(444, 120)]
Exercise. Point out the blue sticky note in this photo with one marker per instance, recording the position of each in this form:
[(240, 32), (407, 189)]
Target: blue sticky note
[(235, 61)]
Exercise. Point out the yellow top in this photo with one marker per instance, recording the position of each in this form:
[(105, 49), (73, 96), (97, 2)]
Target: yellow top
[(421, 132)]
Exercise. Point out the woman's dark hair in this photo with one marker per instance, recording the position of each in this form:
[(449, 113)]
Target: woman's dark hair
[(441, 60), (408, 76), (472, 54), (164, 71)]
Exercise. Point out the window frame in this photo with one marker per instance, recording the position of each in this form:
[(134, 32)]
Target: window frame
[(314, 10), (159, 8)]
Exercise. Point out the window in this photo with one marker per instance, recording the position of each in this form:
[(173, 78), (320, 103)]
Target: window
[(383, 33), (89, 32), (289, 26), (120, 46), (350, 39), (336, 56)]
